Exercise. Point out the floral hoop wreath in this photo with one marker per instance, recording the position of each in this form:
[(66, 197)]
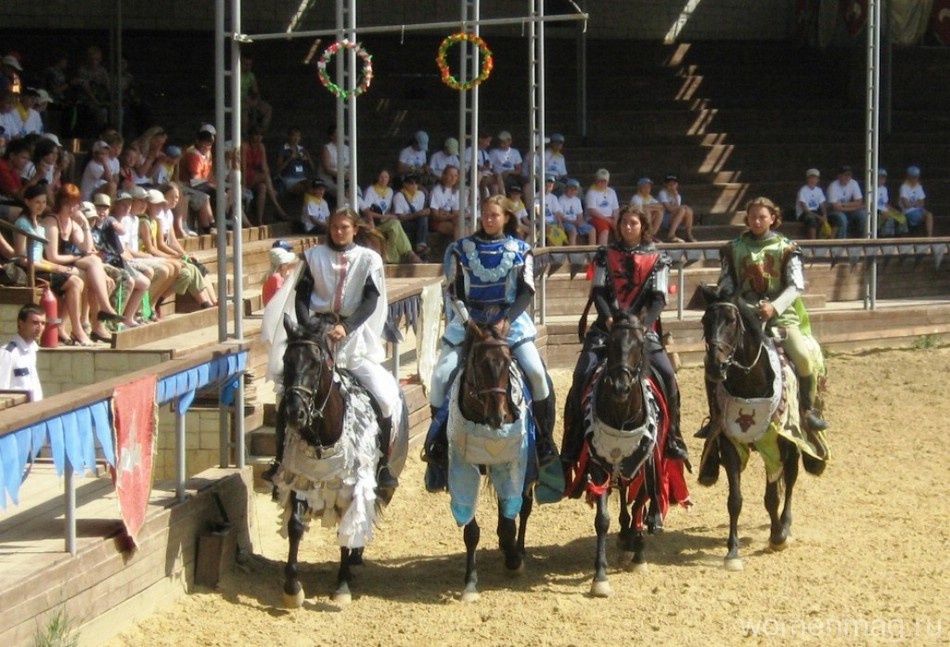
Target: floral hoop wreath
[(365, 79), (487, 61)]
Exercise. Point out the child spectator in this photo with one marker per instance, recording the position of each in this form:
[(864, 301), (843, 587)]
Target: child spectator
[(554, 232), (483, 165), (506, 162), (601, 206), (847, 206), (890, 221), (554, 162), (650, 206), (912, 199), (294, 164), (131, 285), (282, 263), (811, 207), (409, 205), (572, 208), (675, 213), (96, 177), (514, 194), (316, 211), (412, 158), (196, 174), (448, 156), (444, 203), (377, 208), (32, 122)]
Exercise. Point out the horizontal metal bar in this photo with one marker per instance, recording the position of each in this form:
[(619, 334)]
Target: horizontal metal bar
[(421, 26)]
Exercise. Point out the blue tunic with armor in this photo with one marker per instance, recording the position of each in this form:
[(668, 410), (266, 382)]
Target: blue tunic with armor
[(491, 271)]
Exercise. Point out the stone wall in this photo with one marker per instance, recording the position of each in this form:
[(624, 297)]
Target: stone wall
[(638, 19)]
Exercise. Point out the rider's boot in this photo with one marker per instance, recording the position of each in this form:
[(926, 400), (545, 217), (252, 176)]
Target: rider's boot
[(709, 463), (386, 481), (544, 419), (437, 450), (279, 432), (675, 446), (813, 418)]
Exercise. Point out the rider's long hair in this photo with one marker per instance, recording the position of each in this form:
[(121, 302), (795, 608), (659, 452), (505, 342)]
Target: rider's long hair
[(635, 211), (770, 206), (508, 207)]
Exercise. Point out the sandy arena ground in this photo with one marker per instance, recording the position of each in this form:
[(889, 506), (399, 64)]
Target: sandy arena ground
[(868, 562)]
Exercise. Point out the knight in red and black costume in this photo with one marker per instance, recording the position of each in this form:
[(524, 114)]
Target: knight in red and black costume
[(631, 274)]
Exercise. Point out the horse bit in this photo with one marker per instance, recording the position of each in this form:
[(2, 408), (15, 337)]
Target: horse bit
[(717, 342)]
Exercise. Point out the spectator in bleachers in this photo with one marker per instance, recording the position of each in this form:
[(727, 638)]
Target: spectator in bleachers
[(95, 94), (811, 206), (283, 260), (506, 163), (167, 170), (151, 146), (316, 212), (448, 156), (70, 243), (47, 165), (601, 206), (333, 155), (12, 166), (254, 110), (64, 280), (573, 209), (554, 162), (515, 195), (133, 284), (257, 176), (650, 206), (129, 165), (890, 221), (196, 175), (554, 232), (444, 203), (125, 226), (846, 206), (294, 164), (32, 122), (166, 271), (414, 157), (54, 79), (10, 69), (376, 206), (9, 117), (96, 177), (166, 221), (675, 213), (486, 182), (913, 200), (409, 205)]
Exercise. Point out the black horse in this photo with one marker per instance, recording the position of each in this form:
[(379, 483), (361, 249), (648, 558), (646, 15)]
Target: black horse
[(491, 407), (330, 436), (628, 422), (740, 358)]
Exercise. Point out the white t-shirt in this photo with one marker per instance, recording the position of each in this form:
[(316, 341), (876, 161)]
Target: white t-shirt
[(666, 198), (551, 207), (811, 197), (571, 208), (33, 122), (130, 239), (12, 124), (847, 193), (554, 164), (382, 200), (92, 179), (601, 203), (314, 211), (444, 199), (441, 159), (883, 198), (401, 202), (483, 159), (412, 158), (503, 161), (912, 194), (640, 201)]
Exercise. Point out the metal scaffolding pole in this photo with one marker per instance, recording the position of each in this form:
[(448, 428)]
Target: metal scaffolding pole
[(872, 148), (220, 169), (469, 123)]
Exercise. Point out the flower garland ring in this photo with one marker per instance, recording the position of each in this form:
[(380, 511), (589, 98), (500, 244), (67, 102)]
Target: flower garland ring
[(488, 62), (365, 79)]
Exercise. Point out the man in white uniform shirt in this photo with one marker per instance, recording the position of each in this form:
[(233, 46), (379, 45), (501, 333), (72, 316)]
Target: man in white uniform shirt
[(847, 206), (18, 358)]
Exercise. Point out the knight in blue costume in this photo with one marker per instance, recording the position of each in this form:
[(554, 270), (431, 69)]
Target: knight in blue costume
[(491, 275), (629, 275)]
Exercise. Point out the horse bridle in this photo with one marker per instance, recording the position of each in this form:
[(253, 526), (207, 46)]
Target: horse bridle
[(310, 395), (474, 390), (633, 372), (716, 342)]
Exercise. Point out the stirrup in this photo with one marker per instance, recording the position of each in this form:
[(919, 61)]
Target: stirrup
[(271, 471), (815, 421), (705, 430)]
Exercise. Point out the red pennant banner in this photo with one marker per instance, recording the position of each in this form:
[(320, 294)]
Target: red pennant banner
[(134, 413)]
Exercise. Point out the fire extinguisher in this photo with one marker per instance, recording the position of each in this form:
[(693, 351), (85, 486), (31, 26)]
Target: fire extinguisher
[(50, 337)]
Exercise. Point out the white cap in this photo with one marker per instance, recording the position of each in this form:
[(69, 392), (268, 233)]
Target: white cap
[(155, 197), (12, 61)]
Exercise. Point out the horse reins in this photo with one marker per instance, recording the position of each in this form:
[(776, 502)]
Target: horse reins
[(717, 342), (313, 412)]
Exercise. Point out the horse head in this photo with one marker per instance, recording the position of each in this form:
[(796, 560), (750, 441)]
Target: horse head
[(308, 375), (731, 327), (625, 354), (487, 377)]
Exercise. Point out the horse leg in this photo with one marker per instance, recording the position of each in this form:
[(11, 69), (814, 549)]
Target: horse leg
[(790, 456), (527, 505), (508, 540), (342, 594), (636, 542), (356, 557), (600, 587), (293, 594), (624, 536), (471, 533), (732, 464)]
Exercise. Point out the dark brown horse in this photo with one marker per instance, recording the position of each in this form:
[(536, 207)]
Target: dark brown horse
[(488, 399), (737, 357), (624, 447), (316, 401)]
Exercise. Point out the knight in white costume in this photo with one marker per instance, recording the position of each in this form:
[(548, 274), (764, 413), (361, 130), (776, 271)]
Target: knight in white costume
[(344, 278)]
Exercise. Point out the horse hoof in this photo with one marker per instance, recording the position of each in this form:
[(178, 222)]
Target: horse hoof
[(640, 568), (626, 558), (601, 589), (516, 571), (342, 598), (779, 546), (293, 601), (733, 564), (470, 595)]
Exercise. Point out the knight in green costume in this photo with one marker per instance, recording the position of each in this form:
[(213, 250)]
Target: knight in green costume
[(765, 269)]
